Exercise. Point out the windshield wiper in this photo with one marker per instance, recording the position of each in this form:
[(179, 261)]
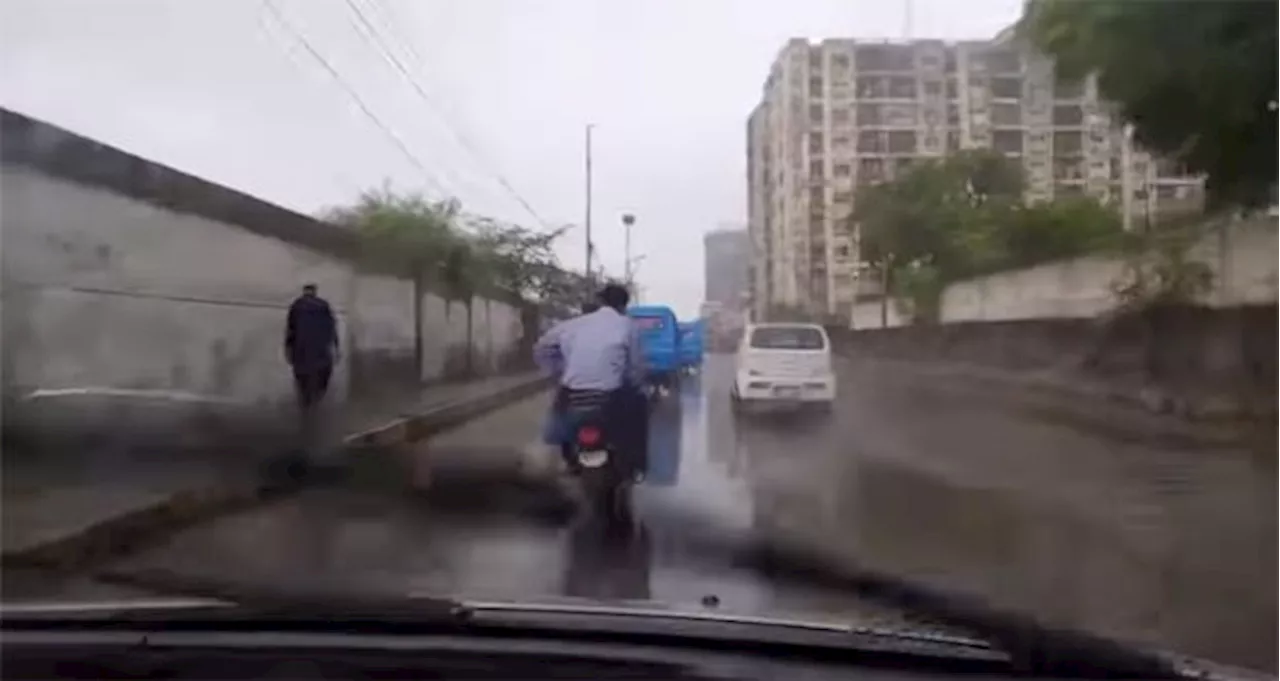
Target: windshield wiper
[(294, 601)]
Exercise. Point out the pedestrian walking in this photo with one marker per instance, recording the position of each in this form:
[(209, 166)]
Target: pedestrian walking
[(311, 345)]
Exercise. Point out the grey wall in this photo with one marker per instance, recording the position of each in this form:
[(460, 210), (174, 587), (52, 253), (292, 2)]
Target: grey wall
[(1192, 351), (1241, 255), (121, 273)]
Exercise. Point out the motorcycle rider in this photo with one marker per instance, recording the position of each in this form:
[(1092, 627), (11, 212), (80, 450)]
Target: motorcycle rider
[(598, 351)]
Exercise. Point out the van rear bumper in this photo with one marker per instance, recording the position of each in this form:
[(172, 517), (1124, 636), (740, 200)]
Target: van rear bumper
[(785, 389)]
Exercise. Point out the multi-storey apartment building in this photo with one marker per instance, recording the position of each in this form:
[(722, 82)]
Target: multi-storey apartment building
[(727, 258), (844, 112)]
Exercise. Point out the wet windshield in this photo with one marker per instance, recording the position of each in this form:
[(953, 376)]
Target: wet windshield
[(293, 293)]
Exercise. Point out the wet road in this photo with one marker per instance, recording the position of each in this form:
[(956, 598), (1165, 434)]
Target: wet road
[(1118, 531)]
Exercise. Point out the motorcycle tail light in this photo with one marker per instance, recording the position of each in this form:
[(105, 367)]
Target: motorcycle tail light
[(588, 436)]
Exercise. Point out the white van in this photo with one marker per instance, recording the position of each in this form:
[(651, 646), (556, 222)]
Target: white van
[(784, 364)]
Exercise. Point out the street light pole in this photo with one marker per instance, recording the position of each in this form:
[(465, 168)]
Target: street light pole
[(627, 220), (588, 220)]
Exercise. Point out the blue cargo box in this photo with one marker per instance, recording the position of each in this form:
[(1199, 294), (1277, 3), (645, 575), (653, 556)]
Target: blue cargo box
[(659, 337)]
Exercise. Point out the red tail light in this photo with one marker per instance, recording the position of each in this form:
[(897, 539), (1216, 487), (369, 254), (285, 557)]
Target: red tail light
[(588, 436)]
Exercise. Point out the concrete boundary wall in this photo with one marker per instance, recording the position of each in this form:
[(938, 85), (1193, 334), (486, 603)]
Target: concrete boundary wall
[(1242, 256), (119, 272)]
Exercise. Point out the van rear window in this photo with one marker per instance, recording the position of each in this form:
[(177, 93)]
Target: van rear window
[(648, 323), (787, 338)]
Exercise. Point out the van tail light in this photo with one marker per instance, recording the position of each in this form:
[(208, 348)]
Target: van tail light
[(588, 436)]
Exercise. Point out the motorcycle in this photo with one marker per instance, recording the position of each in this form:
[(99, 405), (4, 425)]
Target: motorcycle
[(606, 476)]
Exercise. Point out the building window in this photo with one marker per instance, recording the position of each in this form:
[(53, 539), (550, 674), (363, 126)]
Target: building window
[(869, 114), (1068, 115), (953, 89), (953, 140), (1068, 143), (815, 171), (1007, 141), (815, 113), (953, 114), (871, 142), (842, 251), (840, 142), (932, 88), (1066, 169), (840, 62), (870, 171), (815, 143), (1006, 114), (815, 87), (902, 141), (839, 116), (1006, 88), (842, 170), (872, 88), (902, 87), (843, 198)]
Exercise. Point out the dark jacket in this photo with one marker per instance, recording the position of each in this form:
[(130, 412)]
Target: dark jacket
[(311, 333)]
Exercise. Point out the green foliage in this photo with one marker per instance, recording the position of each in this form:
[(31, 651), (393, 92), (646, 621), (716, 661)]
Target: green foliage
[(460, 254), (1196, 78), (1063, 228), (917, 289), (406, 232), (963, 216), (934, 208)]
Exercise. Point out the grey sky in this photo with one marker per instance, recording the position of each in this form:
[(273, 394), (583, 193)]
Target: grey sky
[(221, 89)]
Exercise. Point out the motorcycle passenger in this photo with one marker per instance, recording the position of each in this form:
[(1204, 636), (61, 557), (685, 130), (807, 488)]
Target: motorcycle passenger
[(598, 351)]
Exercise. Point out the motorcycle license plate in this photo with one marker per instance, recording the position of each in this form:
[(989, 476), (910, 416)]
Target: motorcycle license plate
[(594, 458)]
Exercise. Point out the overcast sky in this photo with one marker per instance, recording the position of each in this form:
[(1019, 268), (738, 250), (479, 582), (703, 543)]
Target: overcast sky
[(224, 90)]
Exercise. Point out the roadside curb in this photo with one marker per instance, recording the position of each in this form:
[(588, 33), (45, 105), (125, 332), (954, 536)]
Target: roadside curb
[(122, 534)]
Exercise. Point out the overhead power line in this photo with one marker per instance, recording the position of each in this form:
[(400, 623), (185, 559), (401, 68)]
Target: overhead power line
[(396, 140), (390, 56)]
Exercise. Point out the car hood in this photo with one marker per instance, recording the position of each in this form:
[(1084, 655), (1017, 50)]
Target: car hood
[(595, 616)]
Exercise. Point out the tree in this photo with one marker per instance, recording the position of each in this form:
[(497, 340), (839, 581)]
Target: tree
[(936, 211), (1196, 78), (459, 255), (1063, 228), (408, 234), (524, 261), (964, 216)]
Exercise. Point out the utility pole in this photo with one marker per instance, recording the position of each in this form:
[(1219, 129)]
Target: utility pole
[(590, 246), (627, 220), (885, 266)]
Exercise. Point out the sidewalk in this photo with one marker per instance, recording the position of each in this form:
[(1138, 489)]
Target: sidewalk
[(94, 496)]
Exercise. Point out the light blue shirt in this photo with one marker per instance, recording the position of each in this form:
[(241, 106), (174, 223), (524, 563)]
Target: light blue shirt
[(594, 351)]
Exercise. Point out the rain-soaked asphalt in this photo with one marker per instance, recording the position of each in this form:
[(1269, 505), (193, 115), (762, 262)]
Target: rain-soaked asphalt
[(1116, 530)]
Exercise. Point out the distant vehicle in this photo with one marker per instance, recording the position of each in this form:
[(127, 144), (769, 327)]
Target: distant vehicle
[(660, 343), (691, 344), (785, 365)]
